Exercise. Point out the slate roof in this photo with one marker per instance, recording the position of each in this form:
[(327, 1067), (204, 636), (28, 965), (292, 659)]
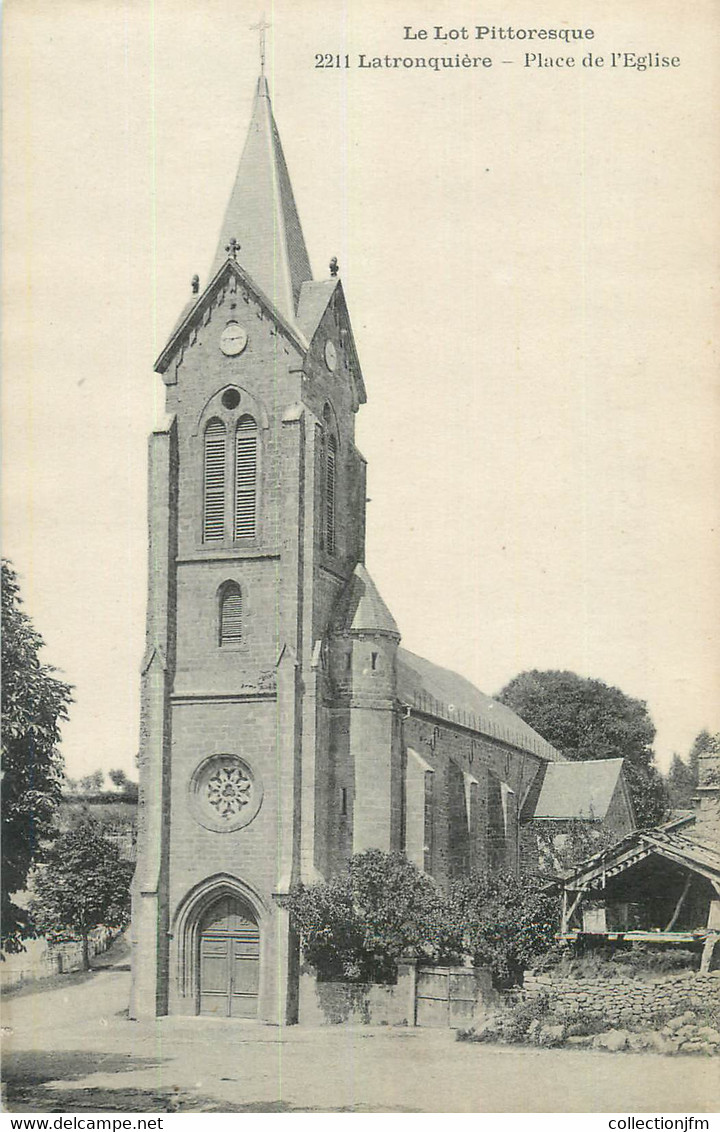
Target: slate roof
[(262, 216), (582, 789), (315, 295), (361, 609), (434, 691), (442, 693), (271, 257)]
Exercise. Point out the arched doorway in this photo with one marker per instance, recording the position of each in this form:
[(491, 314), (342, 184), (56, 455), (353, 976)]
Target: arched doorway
[(229, 966)]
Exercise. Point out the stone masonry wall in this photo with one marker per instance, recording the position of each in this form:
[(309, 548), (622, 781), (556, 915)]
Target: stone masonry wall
[(493, 844), (621, 1000), (422, 996), (323, 1004), (42, 959)]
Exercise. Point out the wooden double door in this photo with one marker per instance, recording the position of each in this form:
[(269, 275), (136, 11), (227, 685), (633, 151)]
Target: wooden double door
[(229, 961)]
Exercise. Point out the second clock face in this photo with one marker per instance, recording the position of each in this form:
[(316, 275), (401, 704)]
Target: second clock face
[(233, 339), (330, 355)]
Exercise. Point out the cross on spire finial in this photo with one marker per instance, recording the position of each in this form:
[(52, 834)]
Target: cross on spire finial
[(232, 248), (261, 26)]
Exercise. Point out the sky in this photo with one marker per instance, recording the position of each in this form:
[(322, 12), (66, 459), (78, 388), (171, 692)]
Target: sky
[(530, 256)]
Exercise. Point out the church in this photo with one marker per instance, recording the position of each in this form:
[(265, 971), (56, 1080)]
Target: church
[(283, 727)]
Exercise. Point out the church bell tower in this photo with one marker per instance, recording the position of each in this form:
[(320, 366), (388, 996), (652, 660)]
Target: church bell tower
[(256, 526)]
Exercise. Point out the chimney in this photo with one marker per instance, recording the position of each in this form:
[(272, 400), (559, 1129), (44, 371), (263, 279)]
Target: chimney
[(709, 771), (707, 819)]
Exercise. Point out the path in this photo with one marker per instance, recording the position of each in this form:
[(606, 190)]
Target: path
[(72, 1049)]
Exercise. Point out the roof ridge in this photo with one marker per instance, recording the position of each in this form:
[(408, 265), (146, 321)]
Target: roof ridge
[(427, 687)]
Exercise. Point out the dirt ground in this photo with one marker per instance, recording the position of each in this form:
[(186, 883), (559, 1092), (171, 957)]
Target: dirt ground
[(69, 1047)]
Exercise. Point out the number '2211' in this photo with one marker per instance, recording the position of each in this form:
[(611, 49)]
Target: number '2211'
[(332, 61)]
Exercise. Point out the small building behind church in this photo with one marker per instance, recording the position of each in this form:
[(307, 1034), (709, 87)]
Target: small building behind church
[(654, 886), (283, 726), (573, 809)]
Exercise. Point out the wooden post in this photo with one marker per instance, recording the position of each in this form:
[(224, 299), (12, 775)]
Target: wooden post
[(707, 952), (678, 906), (568, 915)]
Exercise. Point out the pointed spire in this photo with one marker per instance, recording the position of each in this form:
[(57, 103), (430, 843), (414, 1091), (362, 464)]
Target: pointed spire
[(262, 218)]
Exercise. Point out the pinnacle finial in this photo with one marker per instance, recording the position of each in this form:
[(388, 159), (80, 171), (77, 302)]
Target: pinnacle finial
[(334, 266), (232, 248), (195, 284), (261, 27)]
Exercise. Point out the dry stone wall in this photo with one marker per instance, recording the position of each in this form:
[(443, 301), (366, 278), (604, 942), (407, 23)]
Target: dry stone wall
[(622, 1001)]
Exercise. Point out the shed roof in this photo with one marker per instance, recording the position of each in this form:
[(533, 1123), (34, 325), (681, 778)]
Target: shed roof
[(582, 789), (628, 852)]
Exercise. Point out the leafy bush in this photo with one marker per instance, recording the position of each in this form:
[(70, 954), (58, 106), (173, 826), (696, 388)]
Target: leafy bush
[(356, 926), (527, 1020), (524, 1012), (506, 921)]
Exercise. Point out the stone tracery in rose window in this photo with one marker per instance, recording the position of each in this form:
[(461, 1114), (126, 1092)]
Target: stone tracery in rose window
[(228, 791)]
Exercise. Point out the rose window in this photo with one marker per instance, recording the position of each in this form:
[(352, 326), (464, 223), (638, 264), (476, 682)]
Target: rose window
[(228, 790), (225, 793)]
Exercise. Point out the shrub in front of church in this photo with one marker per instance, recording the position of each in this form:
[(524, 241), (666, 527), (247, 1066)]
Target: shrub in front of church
[(355, 927), (506, 922)]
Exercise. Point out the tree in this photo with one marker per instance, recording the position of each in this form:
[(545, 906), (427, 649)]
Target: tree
[(34, 704), (559, 850), (119, 779), (92, 783), (703, 744), (84, 883), (506, 922), (357, 925), (681, 781), (588, 719), (124, 785)]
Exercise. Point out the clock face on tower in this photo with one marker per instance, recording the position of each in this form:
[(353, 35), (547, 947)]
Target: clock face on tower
[(233, 339), (330, 355)]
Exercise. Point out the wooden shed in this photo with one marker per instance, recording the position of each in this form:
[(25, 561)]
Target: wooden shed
[(653, 886)]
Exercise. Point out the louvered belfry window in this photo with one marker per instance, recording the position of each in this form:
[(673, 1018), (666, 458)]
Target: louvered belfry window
[(231, 615), (214, 483), (330, 467), (246, 443)]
